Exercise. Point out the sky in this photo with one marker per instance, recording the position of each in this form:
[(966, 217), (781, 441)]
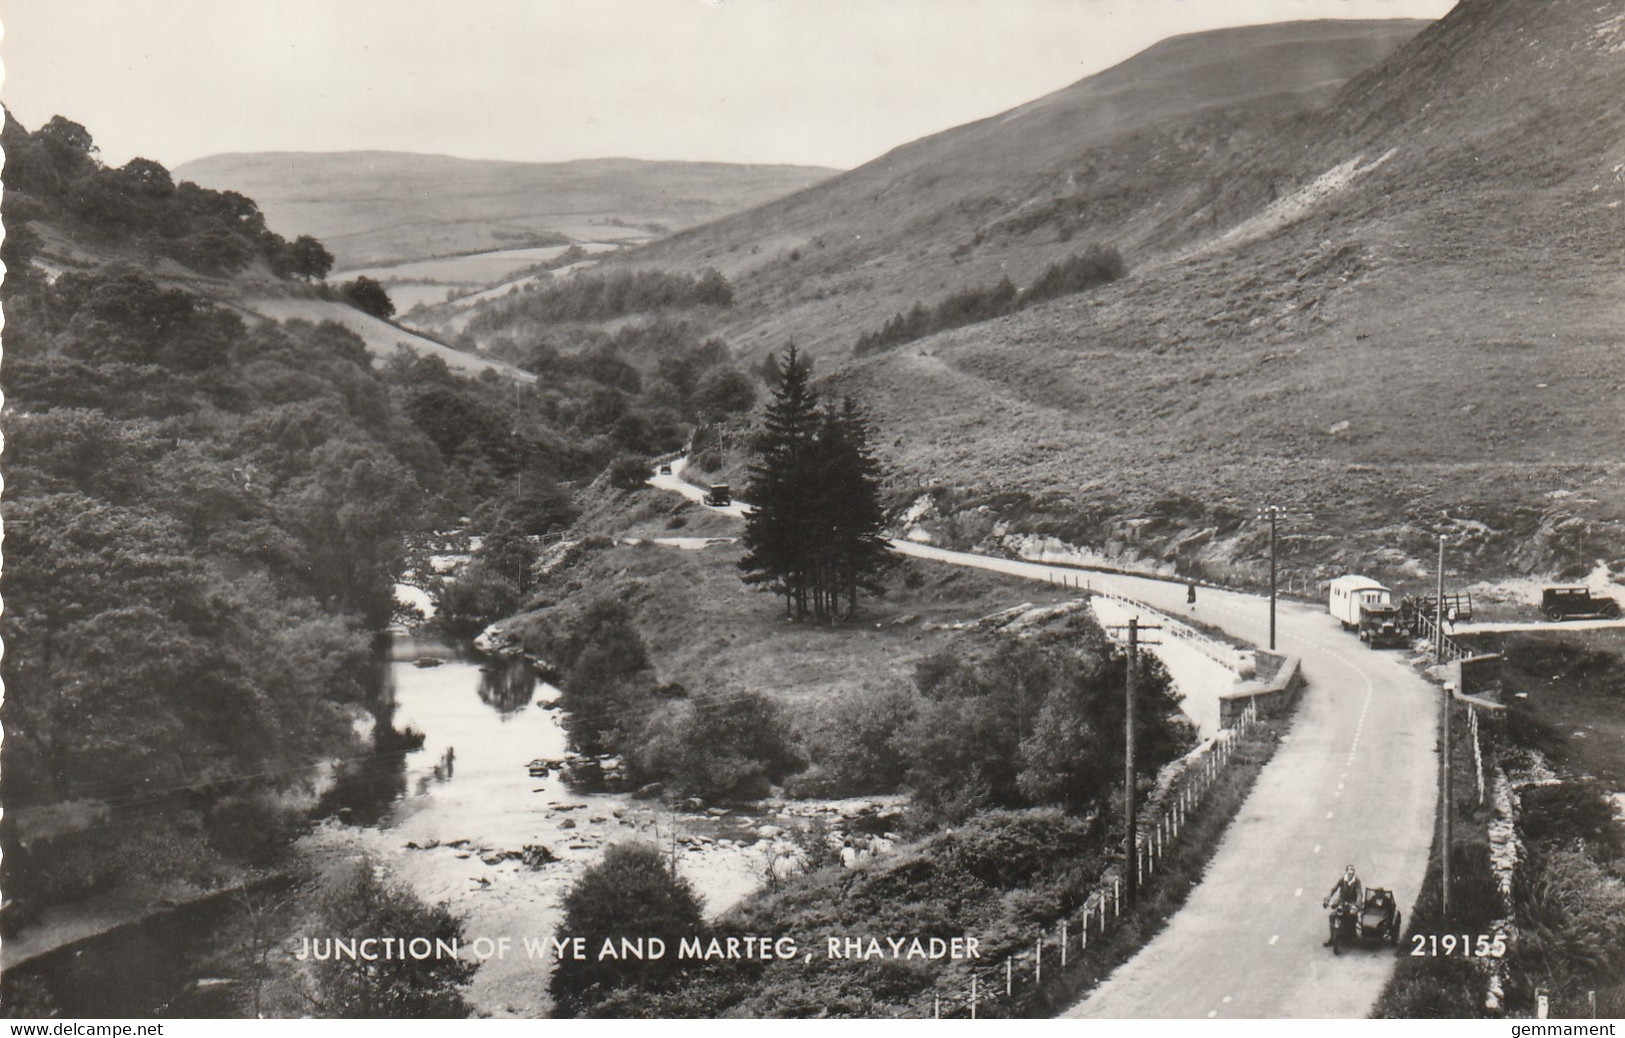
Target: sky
[(807, 82)]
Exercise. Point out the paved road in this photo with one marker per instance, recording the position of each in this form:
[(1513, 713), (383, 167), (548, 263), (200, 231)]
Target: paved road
[(1354, 783)]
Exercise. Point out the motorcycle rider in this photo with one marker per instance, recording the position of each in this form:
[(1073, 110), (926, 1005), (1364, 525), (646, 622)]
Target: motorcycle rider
[(1347, 890)]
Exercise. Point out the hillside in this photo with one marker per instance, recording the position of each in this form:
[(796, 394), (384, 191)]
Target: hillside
[(1396, 310), (375, 207), (1101, 160), (1419, 333)]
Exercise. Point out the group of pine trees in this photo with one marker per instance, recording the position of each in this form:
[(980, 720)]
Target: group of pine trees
[(814, 535), (1095, 266)]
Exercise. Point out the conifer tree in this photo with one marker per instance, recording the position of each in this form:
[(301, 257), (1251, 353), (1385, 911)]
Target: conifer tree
[(814, 532), (852, 512)]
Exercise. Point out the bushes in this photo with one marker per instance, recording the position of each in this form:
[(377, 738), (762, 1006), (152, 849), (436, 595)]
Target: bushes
[(1570, 901), (1096, 265), (360, 903), (1038, 723), (631, 893), (369, 297), (852, 749), (629, 472), (253, 828), (721, 747), (967, 306), (600, 298), (990, 878)]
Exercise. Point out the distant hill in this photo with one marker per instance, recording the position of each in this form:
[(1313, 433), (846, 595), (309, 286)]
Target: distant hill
[(1375, 274), (372, 207)]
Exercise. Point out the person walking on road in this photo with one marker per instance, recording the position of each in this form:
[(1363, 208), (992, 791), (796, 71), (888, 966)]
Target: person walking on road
[(1190, 594)]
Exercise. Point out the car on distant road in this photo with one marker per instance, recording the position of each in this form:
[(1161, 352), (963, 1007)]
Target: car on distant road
[(665, 470), (719, 496), (1568, 603)]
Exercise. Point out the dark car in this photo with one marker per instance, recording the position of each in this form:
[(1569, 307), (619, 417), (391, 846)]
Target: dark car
[(1567, 603), (719, 496)]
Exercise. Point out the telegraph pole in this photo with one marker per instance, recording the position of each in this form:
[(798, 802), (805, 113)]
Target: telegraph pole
[(1272, 513), (1131, 838), (1131, 848), (1438, 610), (1275, 513)]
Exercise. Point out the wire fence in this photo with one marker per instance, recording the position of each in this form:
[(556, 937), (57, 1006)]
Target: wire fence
[(1180, 794)]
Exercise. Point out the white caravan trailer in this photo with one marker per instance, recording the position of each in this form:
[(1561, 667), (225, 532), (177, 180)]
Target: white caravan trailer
[(1350, 593)]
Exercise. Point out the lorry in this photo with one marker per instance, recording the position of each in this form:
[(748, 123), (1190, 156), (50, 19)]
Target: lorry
[(1349, 594), (1381, 626)]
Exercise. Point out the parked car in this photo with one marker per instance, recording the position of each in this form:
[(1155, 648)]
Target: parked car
[(1568, 603)]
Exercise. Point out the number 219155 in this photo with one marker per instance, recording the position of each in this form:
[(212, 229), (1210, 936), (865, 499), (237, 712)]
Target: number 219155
[(1483, 946)]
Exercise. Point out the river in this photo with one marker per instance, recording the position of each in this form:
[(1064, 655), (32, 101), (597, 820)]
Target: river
[(462, 807), (449, 818)]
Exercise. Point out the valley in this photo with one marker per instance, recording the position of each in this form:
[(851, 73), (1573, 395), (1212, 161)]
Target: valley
[(785, 525)]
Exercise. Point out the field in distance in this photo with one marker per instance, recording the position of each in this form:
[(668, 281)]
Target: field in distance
[(374, 208)]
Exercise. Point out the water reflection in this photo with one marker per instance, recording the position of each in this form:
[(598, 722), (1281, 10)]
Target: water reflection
[(507, 685)]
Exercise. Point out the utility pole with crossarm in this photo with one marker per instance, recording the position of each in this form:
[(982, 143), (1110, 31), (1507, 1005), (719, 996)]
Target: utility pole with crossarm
[(1131, 838), (1275, 513)]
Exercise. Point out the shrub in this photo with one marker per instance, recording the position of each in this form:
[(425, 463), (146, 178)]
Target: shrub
[(730, 746), (361, 902), (629, 472), (852, 750), (252, 828), (630, 893), (369, 297)]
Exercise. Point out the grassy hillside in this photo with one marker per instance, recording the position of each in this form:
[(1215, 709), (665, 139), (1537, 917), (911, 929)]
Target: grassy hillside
[(1393, 305), (377, 207), (1100, 160), (1437, 335)]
